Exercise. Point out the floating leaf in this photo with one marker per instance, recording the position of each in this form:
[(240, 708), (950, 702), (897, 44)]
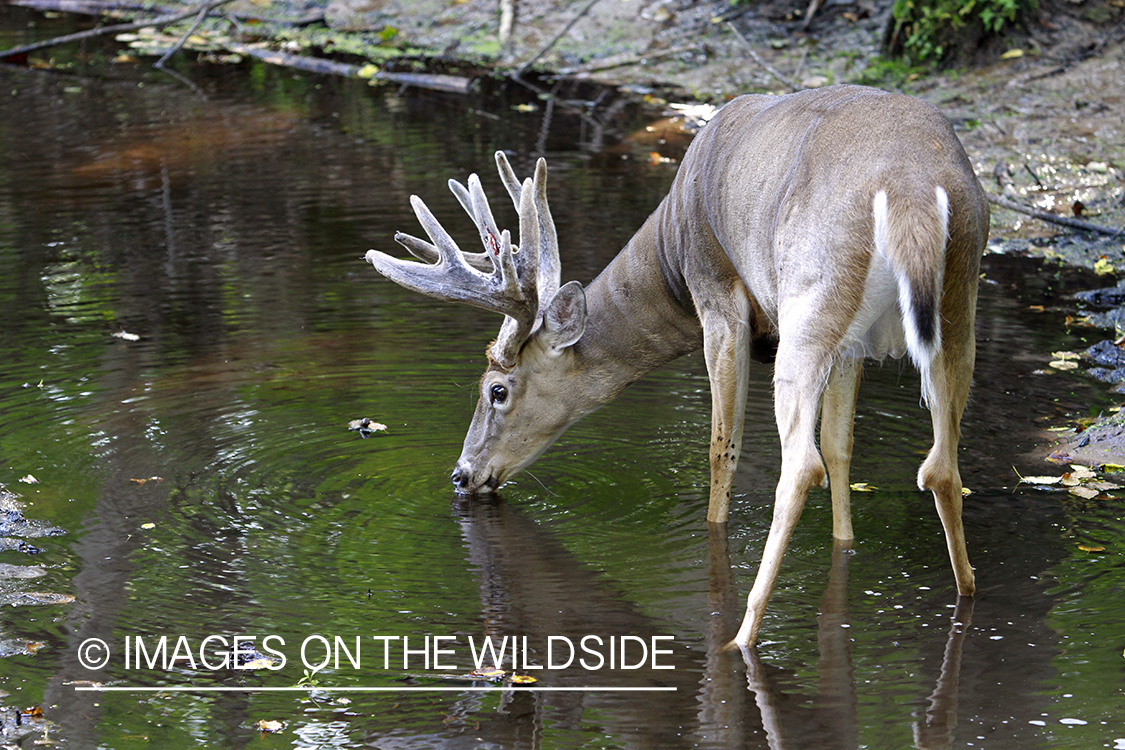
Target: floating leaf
[(1103, 266), (862, 487), (366, 426), (1086, 493), (1091, 548), (1066, 355), (487, 673), (965, 492), (149, 525), (523, 679), (1082, 472), (126, 336), (1063, 364), (46, 597), (264, 663), (29, 480), (270, 726), (1040, 480)]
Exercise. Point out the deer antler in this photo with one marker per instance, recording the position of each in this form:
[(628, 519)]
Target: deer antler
[(516, 281)]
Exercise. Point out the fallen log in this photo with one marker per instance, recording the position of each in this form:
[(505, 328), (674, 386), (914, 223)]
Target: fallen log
[(1065, 221)]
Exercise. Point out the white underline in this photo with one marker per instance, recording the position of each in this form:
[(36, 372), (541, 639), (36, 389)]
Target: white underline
[(401, 689)]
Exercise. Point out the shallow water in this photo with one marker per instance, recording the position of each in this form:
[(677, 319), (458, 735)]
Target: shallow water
[(210, 487)]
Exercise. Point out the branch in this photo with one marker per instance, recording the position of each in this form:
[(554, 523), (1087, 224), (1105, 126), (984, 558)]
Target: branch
[(165, 20), (1065, 221), (203, 13), (761, 61), (523, 68)]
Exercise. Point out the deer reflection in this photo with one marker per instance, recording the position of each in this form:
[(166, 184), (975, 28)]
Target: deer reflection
[(530, 584), (833, 721)]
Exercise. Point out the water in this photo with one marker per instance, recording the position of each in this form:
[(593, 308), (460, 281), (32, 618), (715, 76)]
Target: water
[(209, 485)]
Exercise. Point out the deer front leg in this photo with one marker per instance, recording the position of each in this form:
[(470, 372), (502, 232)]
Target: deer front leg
[(836, 420), (726, 348)]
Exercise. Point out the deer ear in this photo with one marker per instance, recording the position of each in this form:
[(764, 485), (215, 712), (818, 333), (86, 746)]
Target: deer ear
[(564, 320)]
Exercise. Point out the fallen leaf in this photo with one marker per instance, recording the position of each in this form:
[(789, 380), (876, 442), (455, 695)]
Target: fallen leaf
[(1086, 493), (965, 492), (367, 71), (1063, 364), (270, 726), (263, 663), (149, 525), (29, 480), (1012, 54), (1103, 265), (1066, 355), (1086, 548), (862, 487), (126, 336), (33, 711), (1113, 467), (523, 679)]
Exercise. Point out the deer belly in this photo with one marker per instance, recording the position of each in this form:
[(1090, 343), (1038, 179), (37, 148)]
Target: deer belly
[(877, 331)]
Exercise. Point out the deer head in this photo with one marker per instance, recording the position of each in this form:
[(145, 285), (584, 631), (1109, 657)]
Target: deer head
[(526, 392)]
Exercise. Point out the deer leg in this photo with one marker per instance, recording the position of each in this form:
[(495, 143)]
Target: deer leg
[(836, 420), (726, 348), (798, 382), (949, 390)]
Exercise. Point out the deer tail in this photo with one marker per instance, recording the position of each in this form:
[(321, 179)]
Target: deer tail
[(911, 233)]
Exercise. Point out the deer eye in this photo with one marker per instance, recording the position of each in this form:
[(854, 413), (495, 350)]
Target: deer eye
[(498, 394)]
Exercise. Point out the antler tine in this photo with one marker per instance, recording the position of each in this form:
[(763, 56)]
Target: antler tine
[(550, 268), (450, 277), (508, 177)]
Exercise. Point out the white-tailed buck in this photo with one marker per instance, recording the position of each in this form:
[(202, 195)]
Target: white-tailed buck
[(818, 228)]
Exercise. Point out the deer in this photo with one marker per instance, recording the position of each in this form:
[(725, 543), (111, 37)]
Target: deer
[(814, 230)]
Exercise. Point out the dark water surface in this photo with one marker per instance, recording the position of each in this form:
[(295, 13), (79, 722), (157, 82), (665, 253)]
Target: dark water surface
[(226, 228)]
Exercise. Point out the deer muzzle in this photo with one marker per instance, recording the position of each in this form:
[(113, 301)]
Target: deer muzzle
[(466, 481)]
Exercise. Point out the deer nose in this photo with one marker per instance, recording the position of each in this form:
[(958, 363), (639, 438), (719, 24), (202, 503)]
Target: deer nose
[(461, 479)]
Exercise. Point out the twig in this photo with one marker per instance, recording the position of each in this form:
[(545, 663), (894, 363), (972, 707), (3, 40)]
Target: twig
[(761, 61), (166, 20), (585, 9), (203, 13), (1065, 221)]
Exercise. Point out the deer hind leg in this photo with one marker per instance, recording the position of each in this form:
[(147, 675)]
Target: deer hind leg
[(949, 378), (799, 379), (836, 421), (726, 348)]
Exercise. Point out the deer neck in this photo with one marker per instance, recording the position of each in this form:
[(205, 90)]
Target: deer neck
[(640, 315)]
